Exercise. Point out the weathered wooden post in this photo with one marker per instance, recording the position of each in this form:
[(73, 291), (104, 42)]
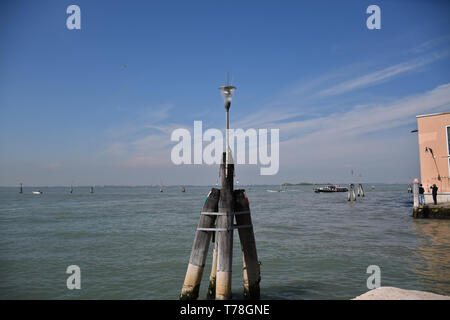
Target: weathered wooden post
[(360, 190), (212, 277), (251, 271), (351, 191), (200, 247), (224, 232), (416, 193)]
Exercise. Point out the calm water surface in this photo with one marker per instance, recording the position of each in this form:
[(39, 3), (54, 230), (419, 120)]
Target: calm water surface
[(134, 242)]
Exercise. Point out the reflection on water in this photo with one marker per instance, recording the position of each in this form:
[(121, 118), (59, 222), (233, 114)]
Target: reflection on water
[(434, 250)]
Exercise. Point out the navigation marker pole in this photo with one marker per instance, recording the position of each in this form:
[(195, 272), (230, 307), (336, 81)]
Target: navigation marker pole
[(217, 218)]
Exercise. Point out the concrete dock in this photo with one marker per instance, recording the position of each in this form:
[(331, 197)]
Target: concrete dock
[(392, 293), (441, 210), (432, 211)]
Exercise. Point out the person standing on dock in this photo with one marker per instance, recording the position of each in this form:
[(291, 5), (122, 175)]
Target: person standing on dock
[(434, 190), (421, 195)]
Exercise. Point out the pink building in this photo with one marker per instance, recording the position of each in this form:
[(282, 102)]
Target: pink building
[(434, 151)]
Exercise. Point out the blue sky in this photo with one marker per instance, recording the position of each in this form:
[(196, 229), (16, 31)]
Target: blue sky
[(344, 97)]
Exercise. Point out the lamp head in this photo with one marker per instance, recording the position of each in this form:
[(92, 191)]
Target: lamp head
[(227, 95)]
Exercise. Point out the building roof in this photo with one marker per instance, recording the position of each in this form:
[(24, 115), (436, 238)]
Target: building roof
[(432, 114)]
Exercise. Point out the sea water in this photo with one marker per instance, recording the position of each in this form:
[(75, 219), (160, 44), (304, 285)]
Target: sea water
[(135, 242)]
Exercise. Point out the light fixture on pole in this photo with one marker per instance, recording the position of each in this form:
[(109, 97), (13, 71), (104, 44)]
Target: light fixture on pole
[(227, 95)]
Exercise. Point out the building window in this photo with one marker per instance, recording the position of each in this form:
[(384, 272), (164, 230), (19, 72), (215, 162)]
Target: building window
[(448, 140), (448, 149)]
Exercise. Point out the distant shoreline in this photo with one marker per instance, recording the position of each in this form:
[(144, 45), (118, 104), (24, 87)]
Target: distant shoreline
[(286, 184)]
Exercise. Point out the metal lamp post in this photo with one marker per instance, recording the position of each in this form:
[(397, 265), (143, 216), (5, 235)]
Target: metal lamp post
[(227, 95)]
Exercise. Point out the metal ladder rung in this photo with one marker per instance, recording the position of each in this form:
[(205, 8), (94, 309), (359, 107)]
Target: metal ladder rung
[(224, 213), (226, 229)]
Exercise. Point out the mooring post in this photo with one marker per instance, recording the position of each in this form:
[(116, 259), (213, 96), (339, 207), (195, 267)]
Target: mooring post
[(200, 247), (362, 190), (223, 203), (212, 277), (224, 232), (251, 269), (351, 191), (416, 193)]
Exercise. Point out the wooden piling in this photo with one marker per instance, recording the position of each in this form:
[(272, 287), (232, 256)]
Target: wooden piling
[(351, 192), (416, 193), (200, 247), (251, 269), (224, 235), (212, 277)]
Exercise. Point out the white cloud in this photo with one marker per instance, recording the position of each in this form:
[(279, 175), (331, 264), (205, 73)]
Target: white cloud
[(383, 75), (364, 119), (431, 44)]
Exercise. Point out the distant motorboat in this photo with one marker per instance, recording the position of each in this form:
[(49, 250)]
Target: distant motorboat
[(36, 192), (279, 190), (331, 188)]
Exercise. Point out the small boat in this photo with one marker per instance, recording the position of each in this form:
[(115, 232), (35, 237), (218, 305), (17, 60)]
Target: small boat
[(37, 192), (331, 188), (183, 189), (279, 190), (92, 190)]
